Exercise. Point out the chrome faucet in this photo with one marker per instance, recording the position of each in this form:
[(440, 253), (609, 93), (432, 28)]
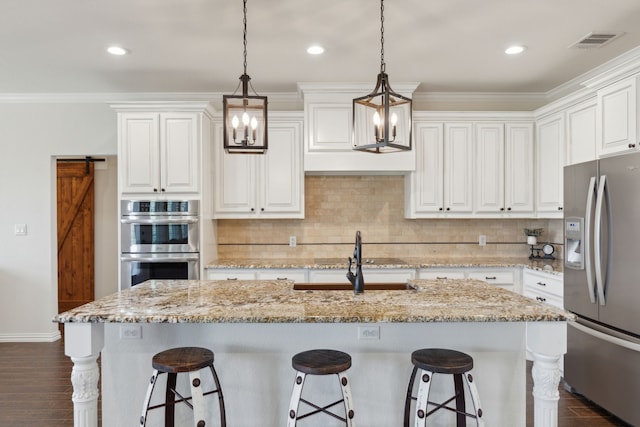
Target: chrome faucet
[(357, 280)]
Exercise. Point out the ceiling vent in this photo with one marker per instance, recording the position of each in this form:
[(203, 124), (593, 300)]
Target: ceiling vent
[(593, 40)]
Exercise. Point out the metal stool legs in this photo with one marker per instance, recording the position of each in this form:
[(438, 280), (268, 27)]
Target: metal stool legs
[(422, 400), (296, 398), (195, 401)]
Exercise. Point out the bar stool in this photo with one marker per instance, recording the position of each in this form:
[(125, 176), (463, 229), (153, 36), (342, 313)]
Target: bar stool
[(183, 360), (442, 361), (320, 362)]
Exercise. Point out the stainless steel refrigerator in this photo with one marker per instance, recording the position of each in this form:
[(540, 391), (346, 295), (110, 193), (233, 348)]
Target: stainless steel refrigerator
[(602, 282)]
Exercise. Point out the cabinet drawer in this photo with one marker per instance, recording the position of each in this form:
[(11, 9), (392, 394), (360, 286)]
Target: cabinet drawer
[(440, 274), (543, 297), (494, 277), (298, 276), (547, 283), (231, 275), (377, 275)]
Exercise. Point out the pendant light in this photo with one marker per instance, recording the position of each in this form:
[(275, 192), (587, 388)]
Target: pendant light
[(382, 119), (245, 116)]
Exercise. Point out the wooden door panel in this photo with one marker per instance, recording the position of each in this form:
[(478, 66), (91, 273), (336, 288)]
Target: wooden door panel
[(75, 208)]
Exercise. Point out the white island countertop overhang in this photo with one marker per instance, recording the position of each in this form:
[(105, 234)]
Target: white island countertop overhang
[(254, 327)]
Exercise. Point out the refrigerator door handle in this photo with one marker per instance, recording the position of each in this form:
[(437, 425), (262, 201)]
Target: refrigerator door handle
[(605, 337), (586, 245), (600, 277)]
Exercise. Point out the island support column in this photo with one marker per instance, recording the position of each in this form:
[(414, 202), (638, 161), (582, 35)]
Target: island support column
[(83, 343), (546, 342)]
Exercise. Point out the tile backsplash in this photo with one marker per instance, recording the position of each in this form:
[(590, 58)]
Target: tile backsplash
[(337, 206)]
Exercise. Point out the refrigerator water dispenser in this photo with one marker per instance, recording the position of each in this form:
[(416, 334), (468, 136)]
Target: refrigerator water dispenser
[(573, 242)]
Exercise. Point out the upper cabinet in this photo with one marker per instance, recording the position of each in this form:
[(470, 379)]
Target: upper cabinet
[(617, 117), (269, 185), (160, 151), (504, 168), (328, 145), (581, 132), (550, 132), (441, 184)]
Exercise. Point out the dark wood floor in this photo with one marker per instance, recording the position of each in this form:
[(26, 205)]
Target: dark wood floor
[(35, 390)]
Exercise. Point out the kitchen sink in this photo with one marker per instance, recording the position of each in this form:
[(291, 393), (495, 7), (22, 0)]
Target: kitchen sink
[(365, 262), (349, 287)]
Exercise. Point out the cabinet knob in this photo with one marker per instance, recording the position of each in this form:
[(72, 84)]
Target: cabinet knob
[(541, 299), (448, 209), (501, 209), (155, 190), (509, 209), (559, 208), (440, 209), (632, 145), (252, 210), (261, 209), (163, 190), (541, 284)]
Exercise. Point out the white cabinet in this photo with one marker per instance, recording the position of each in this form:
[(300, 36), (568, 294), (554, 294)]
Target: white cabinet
[(581, 132), (504, 168), (159, 152), (231, 274), (543, 287), (442, 182), (617, 117), (269, 185), (506, 278), (328, 145), (550, 132), (440, 274), (298, 275)]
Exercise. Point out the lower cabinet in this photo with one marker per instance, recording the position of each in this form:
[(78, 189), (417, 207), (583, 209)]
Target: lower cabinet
[(507, 278), (298, 275), (544, 287)]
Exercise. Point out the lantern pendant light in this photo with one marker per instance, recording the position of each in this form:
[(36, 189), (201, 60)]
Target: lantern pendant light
[(245, 116), (382, 119)]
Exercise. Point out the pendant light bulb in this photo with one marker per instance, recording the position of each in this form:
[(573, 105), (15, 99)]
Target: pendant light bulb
[(376, 119), (254, 123), (235, 122), (394, 119), (245, 119)]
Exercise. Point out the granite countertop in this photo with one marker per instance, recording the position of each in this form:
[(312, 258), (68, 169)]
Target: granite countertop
[(275, 301), (548, 265)]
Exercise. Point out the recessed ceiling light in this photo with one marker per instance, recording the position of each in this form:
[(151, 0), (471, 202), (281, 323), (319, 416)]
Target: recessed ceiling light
[(514, 50), (315, 50), (117, 50)]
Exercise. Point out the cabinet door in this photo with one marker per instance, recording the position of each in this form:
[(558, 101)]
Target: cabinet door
[(427, 182), (581, 132), (549, 168), (617, 117), (458, 167), (490, 183), (179, 148), (234, 190), (282, 178), (518, 168), (139, 153)]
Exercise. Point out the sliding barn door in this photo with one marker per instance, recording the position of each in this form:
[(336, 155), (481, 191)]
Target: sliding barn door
[(75, 234)]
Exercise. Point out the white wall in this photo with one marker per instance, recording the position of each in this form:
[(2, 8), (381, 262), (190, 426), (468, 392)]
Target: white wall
[(31, 136)]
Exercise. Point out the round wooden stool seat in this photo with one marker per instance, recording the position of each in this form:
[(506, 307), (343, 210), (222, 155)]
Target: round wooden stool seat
[(182, 359), (442, 361), (321, 362)]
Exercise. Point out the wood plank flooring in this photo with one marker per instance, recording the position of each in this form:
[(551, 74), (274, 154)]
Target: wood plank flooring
[(35, 390)]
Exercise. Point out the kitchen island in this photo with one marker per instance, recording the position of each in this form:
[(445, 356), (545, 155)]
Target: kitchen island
[(254, 327)]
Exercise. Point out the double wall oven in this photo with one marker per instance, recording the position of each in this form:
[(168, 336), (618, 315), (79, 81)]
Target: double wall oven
[(159, 240)]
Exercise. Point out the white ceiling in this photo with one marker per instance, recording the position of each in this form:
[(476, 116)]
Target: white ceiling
[(58, 46)]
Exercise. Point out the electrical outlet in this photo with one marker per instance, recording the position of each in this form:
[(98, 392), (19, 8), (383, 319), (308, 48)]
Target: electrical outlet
[(368, 332), (482, 240), (292, 241), (20, 229), (131, 332)]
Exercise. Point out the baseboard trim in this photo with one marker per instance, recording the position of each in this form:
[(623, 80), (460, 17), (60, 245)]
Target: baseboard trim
[(27, 337)]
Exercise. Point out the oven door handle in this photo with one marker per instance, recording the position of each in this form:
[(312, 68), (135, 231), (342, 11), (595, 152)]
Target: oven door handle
[(158, 221), (168, 258)]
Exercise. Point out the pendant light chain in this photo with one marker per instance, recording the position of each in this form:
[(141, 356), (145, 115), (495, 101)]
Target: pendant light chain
[(382, 65), (244, 35)]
